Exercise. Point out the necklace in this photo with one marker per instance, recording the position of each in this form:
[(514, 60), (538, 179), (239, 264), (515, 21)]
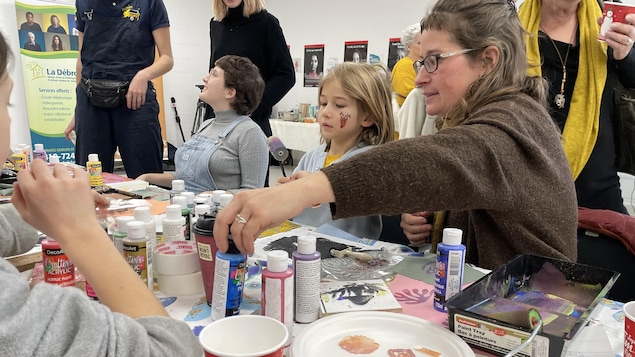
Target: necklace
[(560, 99)]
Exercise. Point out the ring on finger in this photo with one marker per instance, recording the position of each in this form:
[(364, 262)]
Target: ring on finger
[(240, 219), (630, 41)]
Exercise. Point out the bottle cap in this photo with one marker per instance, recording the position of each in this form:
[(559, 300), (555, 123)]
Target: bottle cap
[(452, 236), (122, 223), (199, 210), (54, 159), (173, 211), (277, 261), (178, 185), (189, 197), (200, 201), (93, 157), (225, 198), (216, 196), (142, 214), (39, 146), (306, 244), (180, 200), (136, 230), (231, 249)]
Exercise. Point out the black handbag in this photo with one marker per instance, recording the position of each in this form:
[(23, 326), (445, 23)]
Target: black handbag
[(624, 112), (105, 93)]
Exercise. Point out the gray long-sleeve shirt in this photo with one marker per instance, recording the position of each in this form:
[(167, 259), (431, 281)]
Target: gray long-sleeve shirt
[(53, 321)]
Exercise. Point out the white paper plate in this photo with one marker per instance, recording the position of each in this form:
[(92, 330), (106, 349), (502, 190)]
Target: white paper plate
[(389, 330)]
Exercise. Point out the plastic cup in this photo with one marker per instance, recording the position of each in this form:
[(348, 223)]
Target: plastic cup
[(244, 336), (629, 329)]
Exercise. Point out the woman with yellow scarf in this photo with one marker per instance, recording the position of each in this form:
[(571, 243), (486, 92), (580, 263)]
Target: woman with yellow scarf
[(563, 47)]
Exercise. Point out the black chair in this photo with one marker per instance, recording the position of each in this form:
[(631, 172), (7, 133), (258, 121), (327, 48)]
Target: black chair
[(609, 253)]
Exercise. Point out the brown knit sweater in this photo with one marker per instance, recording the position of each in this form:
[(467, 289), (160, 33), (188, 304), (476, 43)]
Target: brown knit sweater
[(502, 175)]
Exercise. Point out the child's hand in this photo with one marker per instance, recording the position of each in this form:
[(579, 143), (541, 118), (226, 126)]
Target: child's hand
[(282, 180), (57, 204), (299, 175), (417, 227)]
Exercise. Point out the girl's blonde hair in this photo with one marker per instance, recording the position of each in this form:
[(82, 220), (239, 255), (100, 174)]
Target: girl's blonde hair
[(250, 7), (372, 92)]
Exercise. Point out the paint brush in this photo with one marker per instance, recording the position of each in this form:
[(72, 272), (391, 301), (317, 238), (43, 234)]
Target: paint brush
[(349, 252)]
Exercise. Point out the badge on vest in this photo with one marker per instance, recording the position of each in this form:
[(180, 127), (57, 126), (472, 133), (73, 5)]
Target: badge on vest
[(130, 13)]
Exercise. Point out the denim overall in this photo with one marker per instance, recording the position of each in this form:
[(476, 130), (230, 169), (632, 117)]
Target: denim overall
[(116, 47), (192, 158)]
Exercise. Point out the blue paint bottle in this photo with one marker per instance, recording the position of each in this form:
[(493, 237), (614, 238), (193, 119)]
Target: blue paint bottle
[(229, 279), (448, 279)]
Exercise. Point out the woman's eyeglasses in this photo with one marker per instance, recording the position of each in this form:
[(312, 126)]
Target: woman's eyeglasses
[(431, 62)]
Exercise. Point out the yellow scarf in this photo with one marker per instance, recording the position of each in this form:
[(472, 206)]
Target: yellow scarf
[(581, 128)]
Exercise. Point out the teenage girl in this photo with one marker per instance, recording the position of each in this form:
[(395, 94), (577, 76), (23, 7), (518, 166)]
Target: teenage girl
[(355, 114)]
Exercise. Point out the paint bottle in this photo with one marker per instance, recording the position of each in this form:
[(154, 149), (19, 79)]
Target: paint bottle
[(54, 159), (207, 197), (216, 198), (307, 267), (185, 212), (39, 152), (93, 165), (190, 200), (173, 224), (19, 161), (277, 288), (90, 292), (206, 245), (448, 279), (121, 232), (178, 186), (142, 214), (225, 198), (229, 278), (137, 250), (58, 269), (26, 150), (199, 210)]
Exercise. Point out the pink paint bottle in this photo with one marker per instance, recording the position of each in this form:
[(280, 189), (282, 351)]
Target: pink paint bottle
[(277, 289)]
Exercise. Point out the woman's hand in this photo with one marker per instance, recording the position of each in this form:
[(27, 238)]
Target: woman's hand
[(621, 36), (253, 211), (70, 128), (57, 204), (416, 227)]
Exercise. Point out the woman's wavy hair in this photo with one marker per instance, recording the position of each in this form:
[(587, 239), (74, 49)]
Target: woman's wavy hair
[(250, 7), (371, 90), (244, 76), (480, 24)]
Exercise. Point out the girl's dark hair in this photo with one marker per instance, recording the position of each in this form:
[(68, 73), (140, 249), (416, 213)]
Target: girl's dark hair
[(244, 76)]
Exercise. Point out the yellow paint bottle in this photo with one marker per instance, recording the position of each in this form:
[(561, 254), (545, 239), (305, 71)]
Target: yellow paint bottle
[(93, 165)]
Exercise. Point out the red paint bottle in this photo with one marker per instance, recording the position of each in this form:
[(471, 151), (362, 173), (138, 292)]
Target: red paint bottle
[(58, 269)]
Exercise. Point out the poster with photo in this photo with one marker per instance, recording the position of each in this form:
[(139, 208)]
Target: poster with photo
[(355, 51), (313, 64), (396, 51)]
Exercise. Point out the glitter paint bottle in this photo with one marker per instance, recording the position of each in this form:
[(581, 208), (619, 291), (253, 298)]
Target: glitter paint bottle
[(58, 269), (93, 165), (229, 279)]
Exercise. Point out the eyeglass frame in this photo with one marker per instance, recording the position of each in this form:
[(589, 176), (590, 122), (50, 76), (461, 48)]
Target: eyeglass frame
[(419, 64)]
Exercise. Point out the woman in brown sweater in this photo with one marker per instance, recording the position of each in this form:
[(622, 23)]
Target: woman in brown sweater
[(497, 168)]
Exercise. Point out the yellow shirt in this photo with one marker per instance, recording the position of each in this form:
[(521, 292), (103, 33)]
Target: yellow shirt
[(330, 158), (402, 79)]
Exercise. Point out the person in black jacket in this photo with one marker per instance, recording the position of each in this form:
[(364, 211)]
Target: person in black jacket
[(245, 28)]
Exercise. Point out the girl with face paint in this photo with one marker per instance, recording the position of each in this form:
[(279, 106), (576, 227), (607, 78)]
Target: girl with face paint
[(355, 114)]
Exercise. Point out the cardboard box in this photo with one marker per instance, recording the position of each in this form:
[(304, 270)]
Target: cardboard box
[(359, 295), (492, 313)]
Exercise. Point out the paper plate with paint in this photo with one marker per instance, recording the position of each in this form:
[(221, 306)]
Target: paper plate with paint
[(377, 334)]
